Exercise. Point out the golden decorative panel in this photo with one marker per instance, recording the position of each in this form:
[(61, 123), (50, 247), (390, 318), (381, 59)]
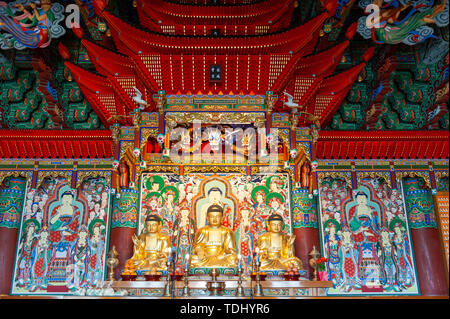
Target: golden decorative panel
[(442, 210)]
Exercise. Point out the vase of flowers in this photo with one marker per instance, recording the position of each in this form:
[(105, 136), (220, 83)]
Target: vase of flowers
[(322, 268)]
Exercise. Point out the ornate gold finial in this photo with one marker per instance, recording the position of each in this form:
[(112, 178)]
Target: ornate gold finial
[(270, 100), (115, 129), (294, 120), (136, 117), (161, 101), (112, 262), (313, 261)]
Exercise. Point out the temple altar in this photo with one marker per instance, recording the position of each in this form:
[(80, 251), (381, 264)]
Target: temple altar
[(198, 287), (223, 149)]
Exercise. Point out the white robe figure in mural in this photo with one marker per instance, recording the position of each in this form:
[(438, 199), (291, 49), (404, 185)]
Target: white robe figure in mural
[(389, 280)]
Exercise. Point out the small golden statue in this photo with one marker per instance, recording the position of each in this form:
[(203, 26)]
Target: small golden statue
[(150, 248), (277, 249), (214, 245)]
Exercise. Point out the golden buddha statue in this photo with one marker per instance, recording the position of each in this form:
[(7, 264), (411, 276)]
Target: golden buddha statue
[(276, 249), (151, 247), (214, 245)]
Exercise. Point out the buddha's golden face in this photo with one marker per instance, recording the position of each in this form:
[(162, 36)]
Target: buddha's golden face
[(214, 219), (275, 226), (152, 226)]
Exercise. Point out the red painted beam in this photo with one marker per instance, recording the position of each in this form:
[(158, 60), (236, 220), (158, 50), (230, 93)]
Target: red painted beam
[(383, 144), (55, 144)]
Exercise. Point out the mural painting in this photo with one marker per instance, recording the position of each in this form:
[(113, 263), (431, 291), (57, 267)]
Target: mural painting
[(366, 239), (247, 201), (63, 237)]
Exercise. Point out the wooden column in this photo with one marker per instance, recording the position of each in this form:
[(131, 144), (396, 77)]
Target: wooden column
[(124, 211), (161, 122), (305, 219), (123, 226), (268, 121), (10, 216), (8, 239), (305, 227), (425, 238)]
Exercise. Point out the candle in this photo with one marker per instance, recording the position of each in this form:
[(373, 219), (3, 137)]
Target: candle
[(186, 265), (239, 262), (257, 254), (168, 255)]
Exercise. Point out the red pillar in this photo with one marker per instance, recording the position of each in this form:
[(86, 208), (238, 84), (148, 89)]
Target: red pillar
[(123, 226), (121, 239), (10, 215), (269, 115), (305, 240), (161, 122), (305, 227), (430, 265), (124, 216), (429, 262), (8, 240)]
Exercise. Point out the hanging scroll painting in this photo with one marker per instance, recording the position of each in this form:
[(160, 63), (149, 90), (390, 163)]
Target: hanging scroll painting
[(62, 242), (366, 239)]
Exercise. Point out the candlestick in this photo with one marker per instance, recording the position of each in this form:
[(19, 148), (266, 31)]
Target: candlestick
[(112, 262), (258, 288), (167, 287), (313, 261), (240, 289)]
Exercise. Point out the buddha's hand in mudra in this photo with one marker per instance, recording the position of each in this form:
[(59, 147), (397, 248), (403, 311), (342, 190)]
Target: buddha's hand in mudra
[(200, 253), (136, 240), (220, 257), (291, 240)]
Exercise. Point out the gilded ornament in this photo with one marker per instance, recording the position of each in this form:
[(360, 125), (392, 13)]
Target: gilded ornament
[(83, 175), (440, 174), (55, 174), (346, 176), (214, 169), (386, 176), (217, 117)]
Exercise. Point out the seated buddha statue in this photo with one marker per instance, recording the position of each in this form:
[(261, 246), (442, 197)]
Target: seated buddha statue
[(276, 249), (150, 248), (214, 245)]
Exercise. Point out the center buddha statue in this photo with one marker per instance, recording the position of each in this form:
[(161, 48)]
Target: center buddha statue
[(150, 248), (277, 249), (214, 245)]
